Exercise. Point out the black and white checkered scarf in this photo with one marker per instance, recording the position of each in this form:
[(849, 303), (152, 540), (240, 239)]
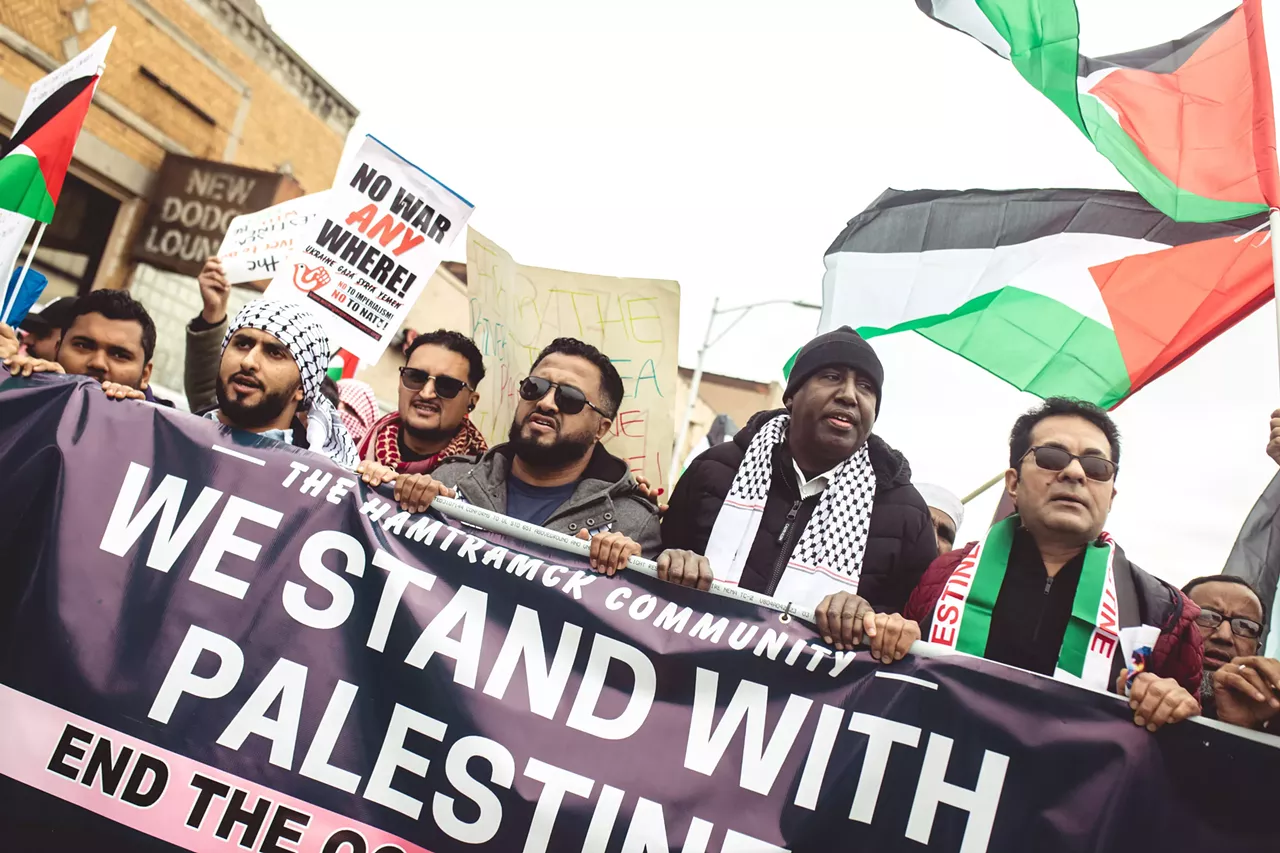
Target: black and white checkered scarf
[(828, 557), (305, 339)]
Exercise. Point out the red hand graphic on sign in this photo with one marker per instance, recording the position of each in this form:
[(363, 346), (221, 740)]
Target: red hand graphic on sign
[(309, 279)]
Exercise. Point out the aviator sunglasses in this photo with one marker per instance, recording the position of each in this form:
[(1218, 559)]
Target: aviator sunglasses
[(1057, 459), (446, 386), (569, 400)]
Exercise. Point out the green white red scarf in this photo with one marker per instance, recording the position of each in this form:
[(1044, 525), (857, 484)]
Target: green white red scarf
[(962, 616)]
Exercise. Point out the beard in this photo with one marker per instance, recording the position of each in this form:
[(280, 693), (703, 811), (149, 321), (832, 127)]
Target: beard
[(258, 415), (427, 435), (564, 450)]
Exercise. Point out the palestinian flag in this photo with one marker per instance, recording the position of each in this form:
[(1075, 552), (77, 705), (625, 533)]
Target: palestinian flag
[(34, 163), (1190, 123), (1079, 293)]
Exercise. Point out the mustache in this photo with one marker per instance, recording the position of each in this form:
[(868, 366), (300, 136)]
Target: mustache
[(247, 379)]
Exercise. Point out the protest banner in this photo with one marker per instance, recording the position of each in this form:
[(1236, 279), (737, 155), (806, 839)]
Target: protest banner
[(365, 259), (210, 640), (256, 244), (517, 310), (194, 203)]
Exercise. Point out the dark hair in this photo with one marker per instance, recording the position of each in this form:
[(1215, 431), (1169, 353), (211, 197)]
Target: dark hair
[(1235, 579), (610, 381), (1020, 437), (456, 342), (116, 305), (329, 389)]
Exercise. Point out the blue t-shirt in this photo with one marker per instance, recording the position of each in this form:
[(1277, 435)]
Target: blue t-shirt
[(535, 504)]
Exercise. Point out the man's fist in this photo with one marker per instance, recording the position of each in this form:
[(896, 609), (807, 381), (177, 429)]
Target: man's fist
[(374, 473), (116, 391), (842, 618), (1247, 691), (891, 636), (415, 492), (610, 551), (9, 343), (1157, 701), (25, 365), (215, 291), (685, 568), (1273, 443)]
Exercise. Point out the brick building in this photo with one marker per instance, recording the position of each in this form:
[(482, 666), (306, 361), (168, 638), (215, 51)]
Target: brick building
[(202, 78)]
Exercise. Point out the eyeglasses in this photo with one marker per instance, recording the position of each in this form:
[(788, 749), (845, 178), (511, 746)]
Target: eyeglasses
[(569, 400), (1057, 459), (1240, 626), (446, 386)]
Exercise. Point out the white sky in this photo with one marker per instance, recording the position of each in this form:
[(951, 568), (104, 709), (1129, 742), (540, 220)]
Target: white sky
[(725, 143)]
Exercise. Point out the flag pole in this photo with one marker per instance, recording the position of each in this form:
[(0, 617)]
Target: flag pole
[(13, 297), (996, 479)]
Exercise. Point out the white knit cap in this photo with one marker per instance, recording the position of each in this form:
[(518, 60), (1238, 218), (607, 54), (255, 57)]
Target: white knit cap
[(941, 499)]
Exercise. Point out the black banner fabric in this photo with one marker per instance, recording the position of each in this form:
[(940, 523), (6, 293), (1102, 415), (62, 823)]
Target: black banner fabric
[(213, 641)]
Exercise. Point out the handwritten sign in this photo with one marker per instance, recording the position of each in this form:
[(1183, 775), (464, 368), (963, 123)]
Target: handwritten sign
[(517, 310), (257, 244), (366, 257)]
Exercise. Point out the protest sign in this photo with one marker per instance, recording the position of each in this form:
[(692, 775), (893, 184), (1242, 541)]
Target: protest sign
[(516, 310), (257, 243), (211, 640), (366, 257), (194, 203)]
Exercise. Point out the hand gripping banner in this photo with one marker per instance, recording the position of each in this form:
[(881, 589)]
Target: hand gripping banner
[(212, 641)]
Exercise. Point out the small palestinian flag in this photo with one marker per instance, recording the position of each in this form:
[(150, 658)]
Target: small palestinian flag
[(342, 366), (34, 163), (1080, 293), (1190, 124)]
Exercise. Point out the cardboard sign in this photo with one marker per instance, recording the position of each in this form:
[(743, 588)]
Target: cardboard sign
[(193, 206), (256, 244), (518, 310), (366, 257)]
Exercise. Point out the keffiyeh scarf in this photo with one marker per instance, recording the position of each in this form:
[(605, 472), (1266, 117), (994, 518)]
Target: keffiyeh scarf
[(828, 556), (382, 445), (304, 338), (362, 407)]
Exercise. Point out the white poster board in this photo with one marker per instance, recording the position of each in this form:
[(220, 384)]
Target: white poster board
[(366, 257), (256, 244), (518, 310)]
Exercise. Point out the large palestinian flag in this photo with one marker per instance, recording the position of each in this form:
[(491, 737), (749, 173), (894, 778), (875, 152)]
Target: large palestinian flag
[(1190, 123), (34, 163), (1080, 293)]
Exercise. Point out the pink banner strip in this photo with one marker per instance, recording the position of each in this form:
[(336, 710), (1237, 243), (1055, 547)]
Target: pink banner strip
[(158, 792)]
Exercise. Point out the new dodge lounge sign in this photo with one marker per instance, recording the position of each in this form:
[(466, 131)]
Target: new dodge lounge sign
[(194, 202)]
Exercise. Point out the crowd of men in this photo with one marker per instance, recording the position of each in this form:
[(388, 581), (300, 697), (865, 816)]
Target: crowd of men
[(806, 503)]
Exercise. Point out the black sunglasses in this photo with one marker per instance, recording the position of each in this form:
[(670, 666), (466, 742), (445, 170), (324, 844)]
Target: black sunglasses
[(569, 400), (1057, 459), (1240, 626), (446, 386)]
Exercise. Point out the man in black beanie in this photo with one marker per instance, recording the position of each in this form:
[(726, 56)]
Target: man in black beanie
[(806, 505)]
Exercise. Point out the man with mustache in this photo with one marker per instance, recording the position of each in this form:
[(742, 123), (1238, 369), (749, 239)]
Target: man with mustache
[(1048, 591), (807, 505), (1239, 685), (437, 392), (105, 334), (553, 471), (274, 355)]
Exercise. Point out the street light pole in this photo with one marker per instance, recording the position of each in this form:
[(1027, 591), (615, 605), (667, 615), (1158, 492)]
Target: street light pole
[(696, 382)]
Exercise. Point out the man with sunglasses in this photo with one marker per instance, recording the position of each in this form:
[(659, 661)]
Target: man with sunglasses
[(553, 471), (432, 422), (1239, 685), (1048, 591)]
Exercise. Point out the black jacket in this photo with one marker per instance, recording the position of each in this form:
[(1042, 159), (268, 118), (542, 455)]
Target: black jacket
[(900, 546)]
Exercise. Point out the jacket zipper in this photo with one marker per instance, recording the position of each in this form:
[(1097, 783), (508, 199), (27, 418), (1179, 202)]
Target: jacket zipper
[(786, 540)]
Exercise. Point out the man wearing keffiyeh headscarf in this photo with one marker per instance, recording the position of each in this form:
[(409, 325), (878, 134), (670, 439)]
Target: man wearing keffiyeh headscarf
[(273, 359)]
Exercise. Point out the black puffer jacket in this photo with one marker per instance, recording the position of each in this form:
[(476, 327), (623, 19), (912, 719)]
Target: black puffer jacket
[(900, 546)]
